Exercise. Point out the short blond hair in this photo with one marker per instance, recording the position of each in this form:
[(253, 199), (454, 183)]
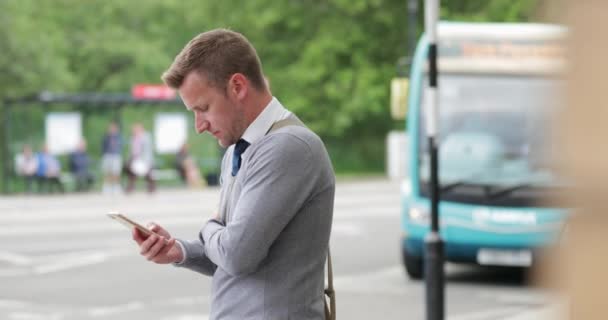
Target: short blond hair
[(216, 55)]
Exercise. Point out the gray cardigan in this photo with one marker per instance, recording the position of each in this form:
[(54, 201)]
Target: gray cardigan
[(267, 253)]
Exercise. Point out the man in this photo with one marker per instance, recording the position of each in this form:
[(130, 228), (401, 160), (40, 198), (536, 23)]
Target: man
[(111, 161), (80, 166), (141, 158), (267, 245)]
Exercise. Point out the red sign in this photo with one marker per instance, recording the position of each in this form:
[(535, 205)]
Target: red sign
[(152, 92)]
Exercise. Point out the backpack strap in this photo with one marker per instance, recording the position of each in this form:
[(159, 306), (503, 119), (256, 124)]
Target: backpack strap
[(291, 121), (330, 311)]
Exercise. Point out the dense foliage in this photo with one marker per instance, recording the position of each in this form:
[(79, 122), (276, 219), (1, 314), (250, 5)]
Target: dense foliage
[(330, 61)]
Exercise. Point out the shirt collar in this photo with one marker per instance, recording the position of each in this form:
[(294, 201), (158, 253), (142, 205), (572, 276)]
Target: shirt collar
[(272, 113)]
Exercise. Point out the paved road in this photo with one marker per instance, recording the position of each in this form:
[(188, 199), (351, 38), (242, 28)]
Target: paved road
[(61, 258)]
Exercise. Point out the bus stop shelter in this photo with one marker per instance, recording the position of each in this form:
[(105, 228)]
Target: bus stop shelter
[(112, 103)]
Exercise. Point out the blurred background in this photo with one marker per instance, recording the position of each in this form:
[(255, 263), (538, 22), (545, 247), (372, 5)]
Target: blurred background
[(331, 62), (354, 72)]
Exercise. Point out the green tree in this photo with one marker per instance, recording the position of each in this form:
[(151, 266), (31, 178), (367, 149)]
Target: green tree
[(330, 61), (486, 11)]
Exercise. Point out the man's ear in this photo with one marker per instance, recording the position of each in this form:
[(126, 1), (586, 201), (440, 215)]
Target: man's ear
[(238, 86)]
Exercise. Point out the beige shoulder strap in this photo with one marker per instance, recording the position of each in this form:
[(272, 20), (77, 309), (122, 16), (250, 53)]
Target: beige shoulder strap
[(292, 121), (330, 311)]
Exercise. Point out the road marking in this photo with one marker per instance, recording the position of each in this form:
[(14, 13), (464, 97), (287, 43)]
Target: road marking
[(550, 312), (374, 275), (104, 311), (39, 215), (188, 317), (497, 313), (111, 310), (188, 300), (82, 227), (76, 262), (347, 229), (389, 280), (13, 273), (64, 228), (15, 259), (13, 304), (76, 259), (75, 207), (34, 316), (62, 262), (531, 298)]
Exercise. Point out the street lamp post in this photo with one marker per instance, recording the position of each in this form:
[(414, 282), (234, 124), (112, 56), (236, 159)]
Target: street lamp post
[(433, 258)]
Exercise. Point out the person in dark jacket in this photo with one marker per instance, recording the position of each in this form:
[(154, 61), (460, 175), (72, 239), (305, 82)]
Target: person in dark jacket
[(80, 167), (111, 159)]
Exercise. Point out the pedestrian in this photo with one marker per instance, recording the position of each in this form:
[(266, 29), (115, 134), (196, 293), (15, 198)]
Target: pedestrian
[(48, 173), (186, 167), (80, 167), (267, 245), (111, 159), (141, 158), (26, 166), (180, 158)]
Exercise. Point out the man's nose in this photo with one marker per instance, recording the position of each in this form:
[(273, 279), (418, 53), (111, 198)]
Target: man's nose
[(201, 125)]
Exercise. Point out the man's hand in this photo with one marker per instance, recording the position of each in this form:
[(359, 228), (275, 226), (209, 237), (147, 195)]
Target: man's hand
[(160, 247)]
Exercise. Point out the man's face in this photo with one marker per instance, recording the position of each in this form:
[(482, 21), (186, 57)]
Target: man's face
[(214, 111)]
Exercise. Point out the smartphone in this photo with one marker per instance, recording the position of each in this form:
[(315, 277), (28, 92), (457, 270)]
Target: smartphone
[(130, 223)]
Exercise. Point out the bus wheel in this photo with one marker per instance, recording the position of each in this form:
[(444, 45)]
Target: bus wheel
[(413, 265)]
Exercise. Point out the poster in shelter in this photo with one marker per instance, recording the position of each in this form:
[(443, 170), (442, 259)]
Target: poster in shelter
[(170, 132), (63, 131)]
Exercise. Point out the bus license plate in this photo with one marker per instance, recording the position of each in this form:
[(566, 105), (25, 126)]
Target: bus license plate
[(511, 258)]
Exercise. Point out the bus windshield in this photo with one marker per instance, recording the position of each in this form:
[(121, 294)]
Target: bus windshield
[(494, 133)]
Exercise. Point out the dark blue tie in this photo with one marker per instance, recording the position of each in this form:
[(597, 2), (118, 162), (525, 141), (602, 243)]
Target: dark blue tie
[(239, 148)]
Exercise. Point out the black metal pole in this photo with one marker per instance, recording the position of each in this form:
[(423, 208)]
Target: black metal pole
[(434, 256)]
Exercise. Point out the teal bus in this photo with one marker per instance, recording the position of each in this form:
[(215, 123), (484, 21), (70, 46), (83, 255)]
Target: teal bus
[(497, 95)]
